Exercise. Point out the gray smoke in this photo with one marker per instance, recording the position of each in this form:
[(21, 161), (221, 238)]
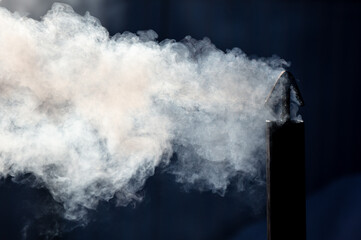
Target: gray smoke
[(37, 8), (91, 116)]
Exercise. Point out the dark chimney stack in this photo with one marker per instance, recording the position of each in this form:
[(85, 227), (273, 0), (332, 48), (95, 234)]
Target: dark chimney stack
[(286, 206)]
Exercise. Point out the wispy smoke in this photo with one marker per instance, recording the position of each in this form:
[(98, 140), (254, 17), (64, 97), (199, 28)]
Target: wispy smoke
[(92, 116), (37, 8)]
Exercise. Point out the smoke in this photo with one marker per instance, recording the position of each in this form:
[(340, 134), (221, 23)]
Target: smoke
[(91, 116), (37, 8)]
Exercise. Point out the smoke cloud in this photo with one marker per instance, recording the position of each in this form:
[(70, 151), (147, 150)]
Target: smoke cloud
[(37, 8), (91, 116)]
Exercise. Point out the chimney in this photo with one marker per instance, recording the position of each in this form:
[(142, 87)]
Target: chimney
[(286, 209)]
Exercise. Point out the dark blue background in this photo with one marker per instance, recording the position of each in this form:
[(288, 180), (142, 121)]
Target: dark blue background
[(322, 40)]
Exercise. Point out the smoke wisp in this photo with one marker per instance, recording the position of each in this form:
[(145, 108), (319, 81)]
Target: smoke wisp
[(37, 8), (91, 116)]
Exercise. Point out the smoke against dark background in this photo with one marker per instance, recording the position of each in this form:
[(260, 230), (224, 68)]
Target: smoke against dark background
[(320, 39), (37, 8), (91, 116)]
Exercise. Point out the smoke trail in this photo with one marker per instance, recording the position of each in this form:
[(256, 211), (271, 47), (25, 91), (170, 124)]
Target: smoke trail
[(91, 116)]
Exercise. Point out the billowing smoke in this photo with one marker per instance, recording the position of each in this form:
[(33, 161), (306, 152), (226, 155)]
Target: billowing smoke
[(91, 116), (37, 8)]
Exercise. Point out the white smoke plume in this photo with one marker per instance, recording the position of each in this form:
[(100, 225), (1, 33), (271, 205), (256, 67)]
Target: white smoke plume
[(91, 116), (37, 8)]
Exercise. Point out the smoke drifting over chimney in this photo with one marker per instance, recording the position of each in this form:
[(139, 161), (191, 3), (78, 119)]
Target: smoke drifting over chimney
[(91, 116)]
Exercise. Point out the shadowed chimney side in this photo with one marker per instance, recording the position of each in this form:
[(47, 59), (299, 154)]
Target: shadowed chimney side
[(286, 210)]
